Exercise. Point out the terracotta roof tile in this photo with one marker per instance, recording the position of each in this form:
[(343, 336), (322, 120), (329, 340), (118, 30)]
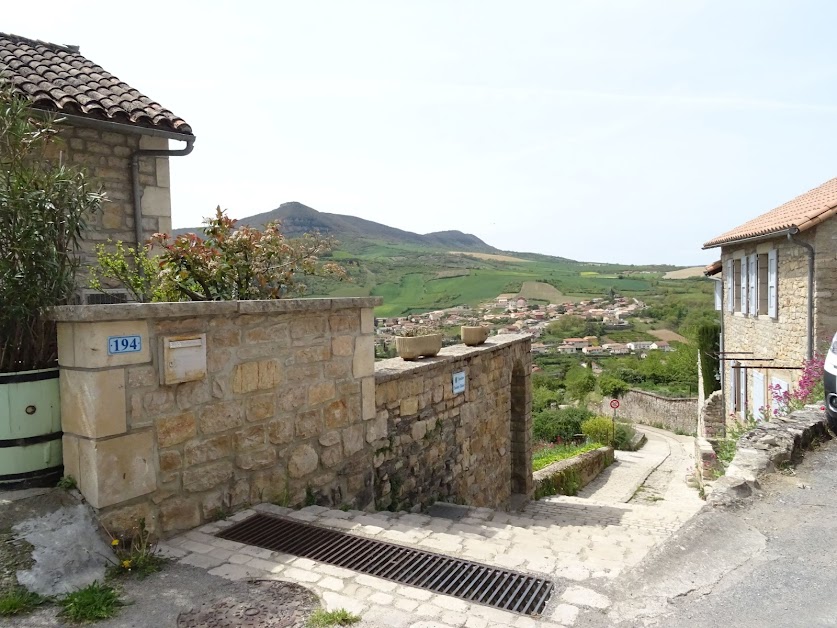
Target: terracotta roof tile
[(57, 78), (805, 211)]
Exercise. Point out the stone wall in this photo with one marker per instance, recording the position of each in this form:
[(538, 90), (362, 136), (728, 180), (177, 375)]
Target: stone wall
[(678, 415), (106, 156), (284, 412), (567, 477), (473, 447)]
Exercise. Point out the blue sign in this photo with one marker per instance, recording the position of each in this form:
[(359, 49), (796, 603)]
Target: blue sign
[(459, 382), (124, 344)]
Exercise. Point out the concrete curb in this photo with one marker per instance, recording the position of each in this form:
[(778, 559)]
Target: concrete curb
[(763, 450)]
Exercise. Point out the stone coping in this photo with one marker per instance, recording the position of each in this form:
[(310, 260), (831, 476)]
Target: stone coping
[(650, 394), (394, 368), (188, 309), (560, 466)]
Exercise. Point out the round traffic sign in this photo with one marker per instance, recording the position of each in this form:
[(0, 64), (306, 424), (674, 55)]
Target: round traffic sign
[(614, 403)]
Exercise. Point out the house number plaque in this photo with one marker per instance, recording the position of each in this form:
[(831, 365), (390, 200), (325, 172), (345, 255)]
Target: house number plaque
[(124, 344)]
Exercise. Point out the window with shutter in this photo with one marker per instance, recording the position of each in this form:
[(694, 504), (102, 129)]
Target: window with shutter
[(773, 284), (752, 286), (762, 291), (744, 274), (730, 279), (733, 386), (742, 392)]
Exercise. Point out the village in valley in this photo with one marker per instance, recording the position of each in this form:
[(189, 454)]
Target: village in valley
[(511, 314)]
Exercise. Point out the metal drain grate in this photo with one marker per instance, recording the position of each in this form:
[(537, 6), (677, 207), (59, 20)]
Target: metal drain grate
[(482, 584)]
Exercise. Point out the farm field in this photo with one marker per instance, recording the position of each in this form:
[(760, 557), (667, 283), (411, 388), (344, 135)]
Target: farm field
[(414, 279)]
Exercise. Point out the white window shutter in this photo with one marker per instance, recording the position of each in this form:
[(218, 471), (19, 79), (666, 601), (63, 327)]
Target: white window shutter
[(752, 292), (742, 390), (772, 283), (730, 279), (733, 386), (718, 294), (744, 285)]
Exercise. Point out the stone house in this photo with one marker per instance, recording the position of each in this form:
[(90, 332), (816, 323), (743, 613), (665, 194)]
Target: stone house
[(778, 277), (118, 135)]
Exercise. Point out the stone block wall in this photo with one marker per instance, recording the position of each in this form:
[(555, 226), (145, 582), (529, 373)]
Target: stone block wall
[(638, 406), (825, 285), (285, 411), (106, 156), (432, 444)]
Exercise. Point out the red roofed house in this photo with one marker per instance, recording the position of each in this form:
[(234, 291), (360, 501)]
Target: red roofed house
[(119, 135), (779, 281)]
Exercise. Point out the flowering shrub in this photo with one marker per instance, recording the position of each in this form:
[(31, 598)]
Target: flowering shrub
[(224, 263), (809, 389)]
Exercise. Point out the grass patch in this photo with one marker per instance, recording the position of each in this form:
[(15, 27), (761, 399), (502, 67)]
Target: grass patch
[(137, 555), (553, 453), (92, 603), (19, 601), (68, 483), (341, 617)]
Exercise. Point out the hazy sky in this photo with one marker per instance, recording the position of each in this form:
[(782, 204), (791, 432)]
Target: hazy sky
[(624, 131)]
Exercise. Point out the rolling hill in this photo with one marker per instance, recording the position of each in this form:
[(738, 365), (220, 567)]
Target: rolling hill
[(355, 233), (420, 272)]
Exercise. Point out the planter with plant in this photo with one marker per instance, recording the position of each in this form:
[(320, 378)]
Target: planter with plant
[(473, 336), (44, 207), (418, 342)]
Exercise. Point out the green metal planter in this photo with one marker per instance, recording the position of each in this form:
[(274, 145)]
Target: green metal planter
[(30, 429)]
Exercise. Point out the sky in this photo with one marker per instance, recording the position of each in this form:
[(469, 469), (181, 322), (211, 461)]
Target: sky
[(625, 131)]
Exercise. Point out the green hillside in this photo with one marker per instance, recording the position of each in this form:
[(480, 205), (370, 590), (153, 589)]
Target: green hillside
[(416, 273)]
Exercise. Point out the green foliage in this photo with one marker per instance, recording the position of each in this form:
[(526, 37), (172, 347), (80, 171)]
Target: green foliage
[(667, 373), (544, 380), (136, 554), (135, 269), (18, 601), (624, 435), (707, 338), (554, 453), (598, 430), (544, 398), (93, 602), (68, 483), (340, 617), (44, 208), (573, 327), (568, 482), (725, 449), (612, 387), (549, 426), (579, 382)]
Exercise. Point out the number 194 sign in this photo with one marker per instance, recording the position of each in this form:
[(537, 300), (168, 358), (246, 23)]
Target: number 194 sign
[(124, 344)]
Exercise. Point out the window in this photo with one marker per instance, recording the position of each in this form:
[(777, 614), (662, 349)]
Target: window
[(730, 279), (772, 283), (743, 285), (762, 283), (733, 386), (738, 276)]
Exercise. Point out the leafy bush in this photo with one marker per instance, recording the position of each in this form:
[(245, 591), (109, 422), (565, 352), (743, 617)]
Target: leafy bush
[(598, 429), (550, 426), (612, 387), (224, 263), (580, 382), (554, 453), (543, 398), (44, 208), (623, 436)]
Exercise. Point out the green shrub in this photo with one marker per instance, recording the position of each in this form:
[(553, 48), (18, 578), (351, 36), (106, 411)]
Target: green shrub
[(551, 425), (624, 435), (598, 429), (612, 387)]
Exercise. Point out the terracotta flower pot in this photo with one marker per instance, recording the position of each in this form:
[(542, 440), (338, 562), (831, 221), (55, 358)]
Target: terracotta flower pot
[(410, 348), (473, 336)]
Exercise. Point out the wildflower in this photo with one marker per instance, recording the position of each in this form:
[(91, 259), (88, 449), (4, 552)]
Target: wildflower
[(126, 564), (114, 542)]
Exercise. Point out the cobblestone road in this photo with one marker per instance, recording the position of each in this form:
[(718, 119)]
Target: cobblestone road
[(578, 542)]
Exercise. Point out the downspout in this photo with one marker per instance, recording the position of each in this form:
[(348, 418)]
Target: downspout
[(135, 183), (794, 230)]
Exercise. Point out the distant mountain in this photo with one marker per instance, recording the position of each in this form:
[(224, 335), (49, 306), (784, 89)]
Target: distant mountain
[(298, 219)]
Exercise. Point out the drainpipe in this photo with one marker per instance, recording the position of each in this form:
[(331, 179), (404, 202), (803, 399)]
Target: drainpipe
[(135, 183), (794, 230)]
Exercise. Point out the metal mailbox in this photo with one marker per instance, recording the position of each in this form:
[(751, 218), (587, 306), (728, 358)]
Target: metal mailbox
[(184, 359)]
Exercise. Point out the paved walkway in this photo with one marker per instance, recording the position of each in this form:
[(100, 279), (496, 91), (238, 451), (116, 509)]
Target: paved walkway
[(587, 539)]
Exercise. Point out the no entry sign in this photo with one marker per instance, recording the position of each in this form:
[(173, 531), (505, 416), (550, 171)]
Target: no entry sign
[(614, 403)]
